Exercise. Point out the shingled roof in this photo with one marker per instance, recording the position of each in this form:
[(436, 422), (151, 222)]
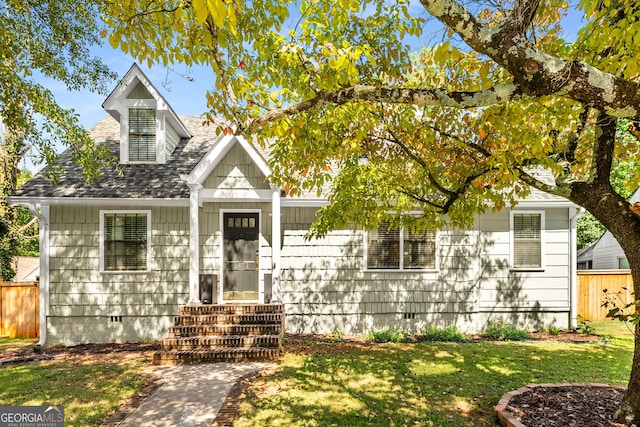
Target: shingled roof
[(160, 181)]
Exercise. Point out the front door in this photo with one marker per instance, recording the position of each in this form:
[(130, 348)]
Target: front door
[(240, 256)]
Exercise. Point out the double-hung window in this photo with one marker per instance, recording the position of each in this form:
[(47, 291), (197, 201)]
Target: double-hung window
[(125, 241), (527, 230), (400, 249), (142, 135)]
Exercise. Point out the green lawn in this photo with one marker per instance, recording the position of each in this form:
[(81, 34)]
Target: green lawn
[(426, 384), (89, 390)]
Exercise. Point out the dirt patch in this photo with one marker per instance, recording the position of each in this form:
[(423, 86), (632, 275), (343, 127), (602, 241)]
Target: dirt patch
[(84, 352)]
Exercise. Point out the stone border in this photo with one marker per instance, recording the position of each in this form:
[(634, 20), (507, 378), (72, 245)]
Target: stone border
[(229, 409), (507, 419)]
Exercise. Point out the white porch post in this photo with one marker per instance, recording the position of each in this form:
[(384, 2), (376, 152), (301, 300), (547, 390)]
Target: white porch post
[(194, 244), (275, 245)]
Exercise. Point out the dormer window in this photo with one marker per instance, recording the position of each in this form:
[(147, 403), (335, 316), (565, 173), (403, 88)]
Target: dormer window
[(142, 135), (150, 130)]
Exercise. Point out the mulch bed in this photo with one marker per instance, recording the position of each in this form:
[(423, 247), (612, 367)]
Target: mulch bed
[(577, 405)]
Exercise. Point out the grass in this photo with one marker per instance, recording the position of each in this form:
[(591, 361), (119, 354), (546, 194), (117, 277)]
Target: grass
[(16, 343), (426, 384), (89, 390)]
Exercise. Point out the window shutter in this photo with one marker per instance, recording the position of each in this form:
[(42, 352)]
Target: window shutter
[(527, 241), (142, 134)]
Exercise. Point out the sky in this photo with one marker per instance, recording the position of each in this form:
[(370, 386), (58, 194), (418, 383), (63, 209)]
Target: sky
[(187, 96)]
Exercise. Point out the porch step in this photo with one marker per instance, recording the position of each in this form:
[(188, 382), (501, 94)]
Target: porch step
[(192, 310), (227, 341), (208, 330), (215, 355), (223, 333), (229, 319)]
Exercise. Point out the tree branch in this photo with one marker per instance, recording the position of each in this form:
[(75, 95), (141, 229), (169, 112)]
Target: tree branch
[(417, 97)]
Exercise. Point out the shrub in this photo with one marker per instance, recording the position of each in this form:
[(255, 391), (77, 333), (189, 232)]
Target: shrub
[(336, 336), (502, 330), (448, 333), (585, 328), (554, 330), (387, 335)]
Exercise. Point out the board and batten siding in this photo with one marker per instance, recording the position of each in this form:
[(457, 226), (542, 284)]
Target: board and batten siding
[(236, 171), (89, 306), (326, 287)]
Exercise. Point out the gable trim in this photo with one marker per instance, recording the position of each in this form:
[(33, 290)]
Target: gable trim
[(134, 77), (225, 143)]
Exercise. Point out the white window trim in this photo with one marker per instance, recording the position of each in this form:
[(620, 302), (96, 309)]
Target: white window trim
[(542, 240), (125, 211), (401, 264), (124, 131)]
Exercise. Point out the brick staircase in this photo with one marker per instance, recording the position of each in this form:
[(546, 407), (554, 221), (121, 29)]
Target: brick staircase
[(223, 333)]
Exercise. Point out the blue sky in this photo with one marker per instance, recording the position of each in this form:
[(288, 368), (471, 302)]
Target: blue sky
[(188, 97)]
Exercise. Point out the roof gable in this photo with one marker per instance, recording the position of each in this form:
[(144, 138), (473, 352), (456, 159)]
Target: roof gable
[(136, 86), (218, 152)]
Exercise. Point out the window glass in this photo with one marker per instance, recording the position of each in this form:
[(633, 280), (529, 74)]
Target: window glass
[(142, 134), (527, 240), (125, 242), (384, 246), (623, 263)]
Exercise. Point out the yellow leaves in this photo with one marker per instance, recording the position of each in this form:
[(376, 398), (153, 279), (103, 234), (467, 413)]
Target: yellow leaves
[(218, 10), (114, 40), (200, 10)]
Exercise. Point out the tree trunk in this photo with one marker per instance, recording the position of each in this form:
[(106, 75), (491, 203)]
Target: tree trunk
[(616, 215)]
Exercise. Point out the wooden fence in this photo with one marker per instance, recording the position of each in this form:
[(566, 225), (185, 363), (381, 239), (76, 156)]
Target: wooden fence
[(591, 291), (19, 309)]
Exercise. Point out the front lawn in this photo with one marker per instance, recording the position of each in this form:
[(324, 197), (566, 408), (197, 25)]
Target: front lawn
[(426, 384), (90, 387)]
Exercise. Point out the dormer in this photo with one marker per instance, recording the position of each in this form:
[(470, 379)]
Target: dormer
[(149, 128)]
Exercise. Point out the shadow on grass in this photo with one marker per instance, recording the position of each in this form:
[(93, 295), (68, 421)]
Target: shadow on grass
[(89, 392), (444, 384)]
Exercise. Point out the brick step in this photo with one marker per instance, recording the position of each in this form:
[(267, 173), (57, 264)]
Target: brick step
[(215, 355), (229, 341), (229, 319), (208, 330), (187, 310)]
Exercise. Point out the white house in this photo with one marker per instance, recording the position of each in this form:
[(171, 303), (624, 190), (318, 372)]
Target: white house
[(605, 253), (192, 219)]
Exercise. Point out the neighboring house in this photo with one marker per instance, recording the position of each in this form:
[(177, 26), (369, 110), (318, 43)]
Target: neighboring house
[(27, 269), (605, 253), (192, 218)]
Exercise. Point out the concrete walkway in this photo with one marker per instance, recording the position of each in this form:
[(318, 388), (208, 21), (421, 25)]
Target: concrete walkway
[(191, 395)]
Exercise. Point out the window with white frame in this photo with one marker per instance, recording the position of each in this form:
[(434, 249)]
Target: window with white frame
[(142, 135), (125, 240), (527, 240), (400, 249)]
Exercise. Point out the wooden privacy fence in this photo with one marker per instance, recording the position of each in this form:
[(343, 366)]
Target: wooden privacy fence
[(19, 309), (591, 291)]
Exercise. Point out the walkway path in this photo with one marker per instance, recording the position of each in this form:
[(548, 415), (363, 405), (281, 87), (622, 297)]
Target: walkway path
[(191, 395)]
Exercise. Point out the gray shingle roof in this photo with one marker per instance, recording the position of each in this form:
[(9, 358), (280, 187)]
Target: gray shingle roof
[(136, 181)]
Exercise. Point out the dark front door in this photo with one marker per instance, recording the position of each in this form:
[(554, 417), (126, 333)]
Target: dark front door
[(240, 256)]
